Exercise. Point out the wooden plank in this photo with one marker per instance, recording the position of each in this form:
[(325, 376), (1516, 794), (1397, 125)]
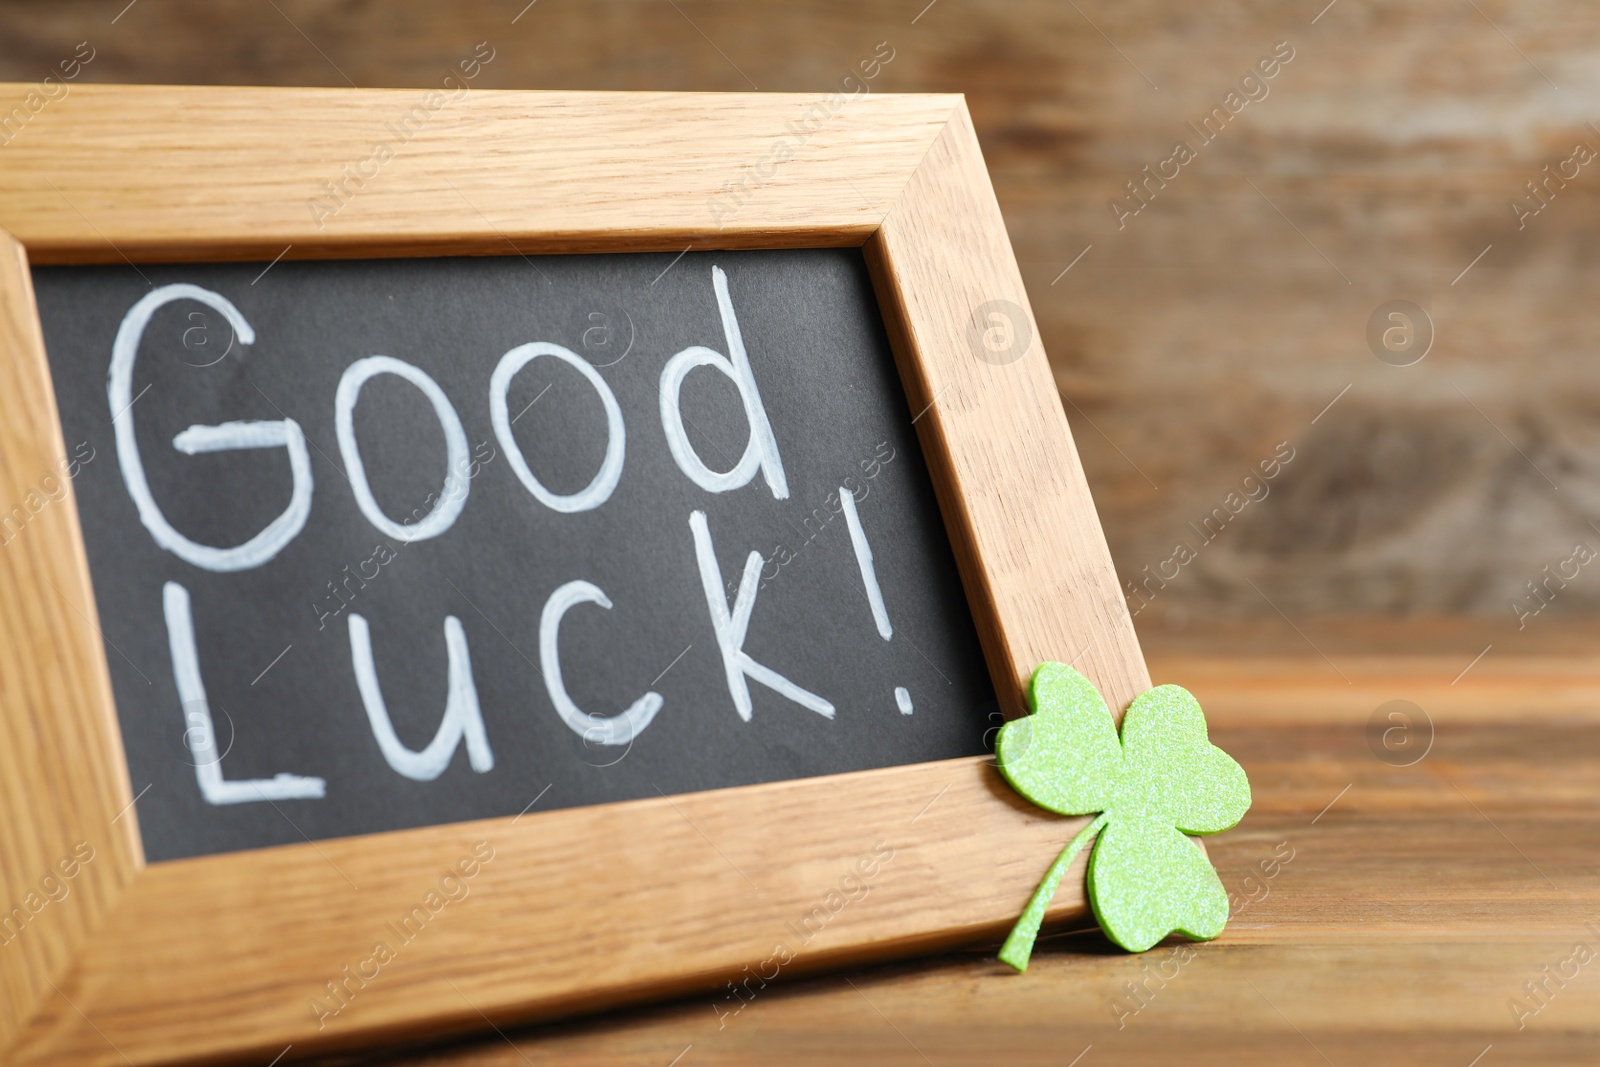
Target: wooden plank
[(1278, 690), (1024, 526), (634, 900), (63, 780), (233, 174)]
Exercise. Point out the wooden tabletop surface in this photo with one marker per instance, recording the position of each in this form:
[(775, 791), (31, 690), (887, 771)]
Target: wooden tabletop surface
[(1384, 913)]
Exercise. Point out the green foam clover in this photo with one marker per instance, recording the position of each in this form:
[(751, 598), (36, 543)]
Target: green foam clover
[(1161, 780)]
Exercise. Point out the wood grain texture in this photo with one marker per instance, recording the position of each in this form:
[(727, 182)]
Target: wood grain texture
[(591, 907), (492, 173), (1414, 908), (63, 781), (578, 910), (941, 257)]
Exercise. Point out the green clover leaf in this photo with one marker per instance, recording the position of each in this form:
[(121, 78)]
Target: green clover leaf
[(1162, 779)]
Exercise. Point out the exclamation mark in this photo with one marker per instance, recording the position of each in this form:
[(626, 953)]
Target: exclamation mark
[(869, 578)]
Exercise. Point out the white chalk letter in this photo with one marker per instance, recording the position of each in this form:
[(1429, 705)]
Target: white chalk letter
[(599, 490), (285, 434), (762, 451), (452, 498), (732, 628), (462, 717), (619, 729), (869, 575), (200, 734)]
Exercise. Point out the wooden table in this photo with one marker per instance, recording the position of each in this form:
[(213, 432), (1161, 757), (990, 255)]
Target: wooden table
[(1399, 911)]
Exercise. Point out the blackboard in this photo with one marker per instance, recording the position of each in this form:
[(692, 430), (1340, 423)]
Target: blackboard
[(337, 579)]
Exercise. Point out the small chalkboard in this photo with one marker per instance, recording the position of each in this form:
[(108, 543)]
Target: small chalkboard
[(379, 544), (529, 565)]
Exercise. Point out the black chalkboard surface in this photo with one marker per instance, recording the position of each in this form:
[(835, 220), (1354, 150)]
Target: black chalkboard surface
[(313, 532)]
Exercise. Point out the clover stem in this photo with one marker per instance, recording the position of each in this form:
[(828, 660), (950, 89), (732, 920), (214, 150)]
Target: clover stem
[(1019, 943)]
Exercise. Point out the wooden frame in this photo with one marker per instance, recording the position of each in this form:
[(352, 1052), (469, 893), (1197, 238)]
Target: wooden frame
[(215, 958)]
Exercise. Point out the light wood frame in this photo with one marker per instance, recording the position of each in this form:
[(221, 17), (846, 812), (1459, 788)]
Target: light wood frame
[(215, 958)]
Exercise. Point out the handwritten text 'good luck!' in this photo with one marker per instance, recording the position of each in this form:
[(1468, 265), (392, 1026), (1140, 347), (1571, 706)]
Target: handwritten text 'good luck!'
[(462, 721)]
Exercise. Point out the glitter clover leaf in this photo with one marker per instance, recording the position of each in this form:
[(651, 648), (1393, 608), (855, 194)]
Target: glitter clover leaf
[(1161, 780)]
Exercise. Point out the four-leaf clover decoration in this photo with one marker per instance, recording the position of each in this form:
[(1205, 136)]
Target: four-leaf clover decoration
[(1163, 779)]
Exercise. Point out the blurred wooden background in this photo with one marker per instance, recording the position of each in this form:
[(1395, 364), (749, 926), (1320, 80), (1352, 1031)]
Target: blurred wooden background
[(1222, 319)]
